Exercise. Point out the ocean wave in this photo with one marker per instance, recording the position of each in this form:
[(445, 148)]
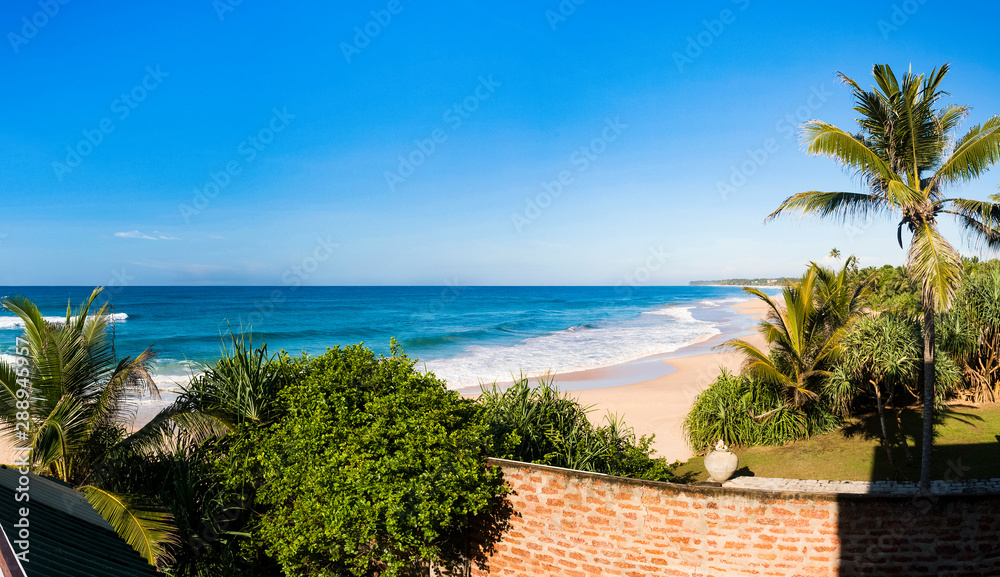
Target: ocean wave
[(680, 313), (575, 349), (9, 322), (171, 379), (724, 301), (173, 383)]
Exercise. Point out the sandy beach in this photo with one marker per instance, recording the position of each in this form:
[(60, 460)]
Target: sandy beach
[(658, 406)]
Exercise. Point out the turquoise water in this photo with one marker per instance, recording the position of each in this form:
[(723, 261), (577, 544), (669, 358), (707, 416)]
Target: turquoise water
[(464, 334)]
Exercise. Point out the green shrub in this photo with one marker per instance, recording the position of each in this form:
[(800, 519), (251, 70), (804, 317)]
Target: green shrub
[(970, 332), (373, 469), (542, 425), (744, 412)]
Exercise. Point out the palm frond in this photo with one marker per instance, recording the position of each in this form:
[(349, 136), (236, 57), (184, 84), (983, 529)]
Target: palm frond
[(146, 528), (8, 395), (130, 375), (824, 139), (840, 205), (179, 419), (981, 219), (974, 153), (34, 323), (934, 261)]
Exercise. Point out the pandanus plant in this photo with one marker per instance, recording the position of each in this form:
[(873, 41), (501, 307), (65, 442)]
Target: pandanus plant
[(907, 153)]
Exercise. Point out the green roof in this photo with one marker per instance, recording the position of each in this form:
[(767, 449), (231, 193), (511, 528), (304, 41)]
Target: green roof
[(68, 538)]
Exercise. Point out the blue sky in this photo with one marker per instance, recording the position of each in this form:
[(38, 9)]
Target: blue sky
[(201, 142)]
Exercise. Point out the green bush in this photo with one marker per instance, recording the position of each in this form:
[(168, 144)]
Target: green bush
[(373, 469), (970, 332), (744, 412), (542, 425)]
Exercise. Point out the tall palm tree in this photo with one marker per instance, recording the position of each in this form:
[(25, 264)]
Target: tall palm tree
[(77, 411), (835, 253), (906, 154)]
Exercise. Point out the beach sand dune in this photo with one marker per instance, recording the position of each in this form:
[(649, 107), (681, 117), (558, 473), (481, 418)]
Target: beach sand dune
[(659, 406)]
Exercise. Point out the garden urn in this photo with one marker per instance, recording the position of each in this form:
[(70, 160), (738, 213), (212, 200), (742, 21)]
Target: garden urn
[(721, 463)]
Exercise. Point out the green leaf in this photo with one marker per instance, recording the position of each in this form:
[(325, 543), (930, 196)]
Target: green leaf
[(147, 529)]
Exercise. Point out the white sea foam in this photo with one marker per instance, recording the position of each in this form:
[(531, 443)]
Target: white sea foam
[(10, 322), (171, 378), (679, 313), (576, 349), (171, 382), (724, 301)]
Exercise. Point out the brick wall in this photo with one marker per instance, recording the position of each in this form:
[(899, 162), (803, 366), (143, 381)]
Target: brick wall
[(581, 524)]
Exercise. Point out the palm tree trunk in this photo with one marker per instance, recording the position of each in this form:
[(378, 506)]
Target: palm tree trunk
[(928, 432), (885, 431), (902, 434)]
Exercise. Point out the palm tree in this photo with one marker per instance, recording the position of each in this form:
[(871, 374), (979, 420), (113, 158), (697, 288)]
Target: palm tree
[(77, 411), (803, 331), (835, 253), (907, 155)]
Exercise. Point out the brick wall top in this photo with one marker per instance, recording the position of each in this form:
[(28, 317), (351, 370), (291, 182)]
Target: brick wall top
[(783, 488), (579, 524)]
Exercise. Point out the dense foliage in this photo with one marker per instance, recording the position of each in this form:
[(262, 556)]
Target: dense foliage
[(779, 396), (75, 413), (908, 152), (882, 362), (743, 411), (873, 364), (373, 469), (971, 332), (542, 425), (802, 330)]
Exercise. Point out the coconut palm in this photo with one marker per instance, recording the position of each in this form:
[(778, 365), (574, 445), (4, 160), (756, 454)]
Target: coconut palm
[(77, 410), (835, 253), (802, 331), (907, 155)]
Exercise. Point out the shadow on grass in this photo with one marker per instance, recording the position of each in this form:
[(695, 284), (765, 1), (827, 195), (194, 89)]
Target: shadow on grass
[(692, 472), (950, 461)]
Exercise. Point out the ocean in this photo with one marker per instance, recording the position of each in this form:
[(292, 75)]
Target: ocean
[(465, 335)]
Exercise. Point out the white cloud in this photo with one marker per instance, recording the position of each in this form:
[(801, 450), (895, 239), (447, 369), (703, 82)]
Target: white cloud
[(157, 235)]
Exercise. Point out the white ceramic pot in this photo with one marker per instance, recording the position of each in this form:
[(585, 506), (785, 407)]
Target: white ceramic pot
[(720, 463)]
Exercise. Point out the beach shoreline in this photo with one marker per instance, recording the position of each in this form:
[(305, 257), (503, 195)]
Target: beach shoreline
[(654, 394), (659, 406)]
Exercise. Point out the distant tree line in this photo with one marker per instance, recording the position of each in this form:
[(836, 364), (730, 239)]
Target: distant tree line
[(765, 282)]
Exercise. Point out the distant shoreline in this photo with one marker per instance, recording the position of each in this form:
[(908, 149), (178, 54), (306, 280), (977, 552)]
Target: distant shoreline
[(745, 285)]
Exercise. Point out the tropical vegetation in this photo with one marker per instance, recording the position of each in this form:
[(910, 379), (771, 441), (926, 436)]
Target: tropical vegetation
[(543, 425), (744, 411), (824, 371), (372, 469), (76, 414), (265, 464), (907, 153)]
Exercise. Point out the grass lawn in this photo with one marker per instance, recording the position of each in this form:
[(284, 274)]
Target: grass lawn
[(966, 445)]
